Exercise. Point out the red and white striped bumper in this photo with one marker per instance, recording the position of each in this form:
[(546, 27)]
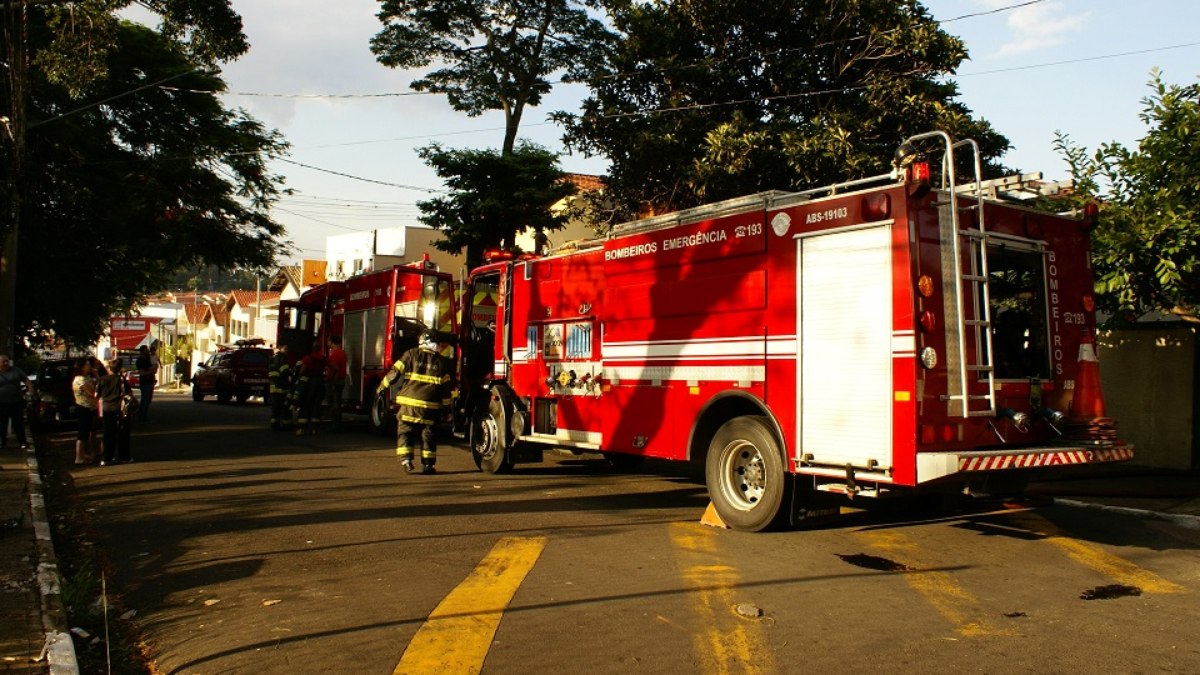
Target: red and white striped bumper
[(934, 465)]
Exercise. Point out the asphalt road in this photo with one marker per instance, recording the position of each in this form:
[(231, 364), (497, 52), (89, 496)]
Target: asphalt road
[(247, 551)]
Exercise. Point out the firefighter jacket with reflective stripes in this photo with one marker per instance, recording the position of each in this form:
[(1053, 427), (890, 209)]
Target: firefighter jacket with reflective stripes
[(279, 372), (425, 383)]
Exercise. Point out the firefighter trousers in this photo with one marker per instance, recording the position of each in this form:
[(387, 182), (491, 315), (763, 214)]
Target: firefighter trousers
[(279, 409), (410, 436), (312, 396)]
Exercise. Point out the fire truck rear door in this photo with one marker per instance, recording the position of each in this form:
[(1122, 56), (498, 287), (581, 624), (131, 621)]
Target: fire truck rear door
[(844, 330)]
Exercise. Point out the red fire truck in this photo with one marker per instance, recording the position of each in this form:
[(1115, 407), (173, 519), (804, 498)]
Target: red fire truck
[(379, 315), (865, 339)]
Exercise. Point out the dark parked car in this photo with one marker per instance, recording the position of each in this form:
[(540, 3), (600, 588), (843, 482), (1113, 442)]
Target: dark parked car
[(240, 373), (53, 402), (129, 366)]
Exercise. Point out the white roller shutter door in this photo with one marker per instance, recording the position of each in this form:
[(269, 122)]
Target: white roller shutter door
[(845, 318)]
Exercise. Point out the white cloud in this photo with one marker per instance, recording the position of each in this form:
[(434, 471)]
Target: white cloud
[(1039, 27)]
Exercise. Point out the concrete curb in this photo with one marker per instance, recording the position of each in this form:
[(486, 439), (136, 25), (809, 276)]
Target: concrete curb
[(59, 650), (1180, 519)]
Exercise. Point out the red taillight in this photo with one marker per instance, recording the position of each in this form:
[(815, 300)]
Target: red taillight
[(1089, 303), (918, 172), (928, 321), (877, 206), (1091, 215)]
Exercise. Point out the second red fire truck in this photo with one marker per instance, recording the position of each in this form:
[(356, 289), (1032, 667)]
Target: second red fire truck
[(379, 316), (864, 339)]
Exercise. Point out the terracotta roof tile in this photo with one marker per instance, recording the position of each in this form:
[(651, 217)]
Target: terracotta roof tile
[(248, 298), (586, 182)]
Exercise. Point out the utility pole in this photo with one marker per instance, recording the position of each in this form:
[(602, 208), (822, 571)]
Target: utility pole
[(15, 64)]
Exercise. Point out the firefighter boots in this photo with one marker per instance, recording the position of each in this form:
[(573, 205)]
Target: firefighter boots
[(428, 469), (407, 464)]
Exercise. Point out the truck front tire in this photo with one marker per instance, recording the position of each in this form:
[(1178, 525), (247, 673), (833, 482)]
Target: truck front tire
[(746, 476), (489, 438)]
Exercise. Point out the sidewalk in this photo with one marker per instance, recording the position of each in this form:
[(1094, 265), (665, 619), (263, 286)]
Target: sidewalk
[(33, 622), (21, 633), (1153, 493)]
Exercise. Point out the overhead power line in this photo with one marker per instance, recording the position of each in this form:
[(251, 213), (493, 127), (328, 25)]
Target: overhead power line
[(318, 220), (366, 180), (300, 194), (386, 94), (113, 98), (992, 11), (1082, 59)]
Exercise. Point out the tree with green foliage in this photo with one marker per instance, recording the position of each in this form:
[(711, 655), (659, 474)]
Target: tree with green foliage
[(708, 99), (493, 196), (133, 181), (83, 34), (1146, 245), (490, 54)]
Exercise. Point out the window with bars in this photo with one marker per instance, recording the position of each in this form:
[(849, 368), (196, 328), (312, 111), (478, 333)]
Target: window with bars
[(579, 341)]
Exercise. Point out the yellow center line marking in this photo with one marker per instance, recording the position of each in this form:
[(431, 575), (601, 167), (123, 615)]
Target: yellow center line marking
[(1089, 555), (727, 644), (458, 633), (939, 589)]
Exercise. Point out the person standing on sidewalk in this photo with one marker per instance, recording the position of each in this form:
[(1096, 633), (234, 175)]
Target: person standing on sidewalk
[(424, 396), (335, 381), (147, 367), (83, 388), (109, 389), (14, 383)]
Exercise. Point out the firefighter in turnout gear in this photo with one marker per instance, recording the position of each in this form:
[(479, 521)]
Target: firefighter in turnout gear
[(279, 373), (309, 391), (423, 397)]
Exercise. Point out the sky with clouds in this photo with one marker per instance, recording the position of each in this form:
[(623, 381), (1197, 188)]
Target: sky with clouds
[(1076, 66)]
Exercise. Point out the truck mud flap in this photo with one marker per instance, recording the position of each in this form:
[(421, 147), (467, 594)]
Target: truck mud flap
[(525, 453), (809, 507)]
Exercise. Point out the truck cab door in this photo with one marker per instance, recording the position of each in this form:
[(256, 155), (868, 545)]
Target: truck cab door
[(484, 335)]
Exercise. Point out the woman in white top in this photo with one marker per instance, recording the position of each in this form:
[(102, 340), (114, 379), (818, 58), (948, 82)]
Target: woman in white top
[(84, 389)]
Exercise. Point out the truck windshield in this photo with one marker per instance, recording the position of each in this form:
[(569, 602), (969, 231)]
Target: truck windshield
[(431, 305), (1017, 286)]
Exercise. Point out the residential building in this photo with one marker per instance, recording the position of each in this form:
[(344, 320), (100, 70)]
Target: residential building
[(579, 227), (350, 254)]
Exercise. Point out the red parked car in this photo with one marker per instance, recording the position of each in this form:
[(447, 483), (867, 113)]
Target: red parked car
[(238, 372)]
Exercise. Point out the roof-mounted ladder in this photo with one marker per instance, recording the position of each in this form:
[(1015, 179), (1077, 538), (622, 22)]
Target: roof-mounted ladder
[(968, 283)]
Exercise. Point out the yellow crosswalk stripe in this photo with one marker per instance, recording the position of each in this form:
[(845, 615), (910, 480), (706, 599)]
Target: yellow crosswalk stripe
[(939, 589), (727, 643), (458, 633), (1089, 555)]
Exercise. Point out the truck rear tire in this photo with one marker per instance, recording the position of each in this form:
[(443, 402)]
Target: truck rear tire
[(746, 476), (489, 438), (197, 395), (383, 422)]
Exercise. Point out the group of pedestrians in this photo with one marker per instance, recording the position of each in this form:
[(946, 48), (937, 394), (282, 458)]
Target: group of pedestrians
[(303, 391), (107, 408), (423, 374)]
